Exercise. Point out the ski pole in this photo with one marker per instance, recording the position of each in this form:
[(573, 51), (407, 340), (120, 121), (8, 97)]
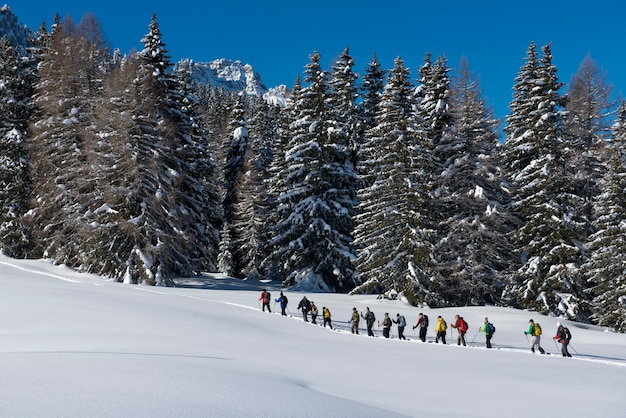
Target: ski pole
[(570, 346), (475, 335), (557, 347)]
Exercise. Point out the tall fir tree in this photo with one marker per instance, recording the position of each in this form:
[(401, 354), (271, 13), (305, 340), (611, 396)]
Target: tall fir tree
[(236, 153), (17, 78), (472, 250), (371, 90), (550, 236), (314, 240), (393, 253), (605, 266)]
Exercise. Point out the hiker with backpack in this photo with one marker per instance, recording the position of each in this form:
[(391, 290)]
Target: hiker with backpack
[(563, 336), (265, 298), (422, 323), (534, 330), (370, 318), (314, 312), (354, 321), (305, 305), (441, 329), (401, 321), (461, 326), (326, 316), (386, 325), (489, 330), (282, 300)]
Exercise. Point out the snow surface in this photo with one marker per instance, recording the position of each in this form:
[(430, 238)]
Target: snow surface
[(75, 345)]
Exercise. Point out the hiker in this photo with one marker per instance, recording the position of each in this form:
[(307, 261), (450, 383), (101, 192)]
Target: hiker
[(326, 316), (422, 323), (369, 320), (401, 321), (563, 336), (488, 329), (534, 330), (265, 298), (305, 305), (354, 321), (313, 312), (461, 326), (282, 300), (386, 325), (441, 330)]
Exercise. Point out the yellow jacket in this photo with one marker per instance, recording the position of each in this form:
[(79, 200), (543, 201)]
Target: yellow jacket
[(441, 325)]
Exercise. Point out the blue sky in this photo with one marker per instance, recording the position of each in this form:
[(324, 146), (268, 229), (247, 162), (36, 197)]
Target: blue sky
[(277, 37)]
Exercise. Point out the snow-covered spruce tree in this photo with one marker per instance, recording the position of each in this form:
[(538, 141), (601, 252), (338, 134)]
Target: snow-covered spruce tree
[(473, 252), (165, 203), (196, 186), (16, 89), (314, 241), (393, 252), (235, 152), (549, 240), (432, 97), (372, 86), (277, 181), (605, 268), (255, 204), (347, 120)]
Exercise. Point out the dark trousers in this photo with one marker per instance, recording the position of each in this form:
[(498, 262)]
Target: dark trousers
[(268, 306), (386, 332), (488, 340), (564, 351), (313, 316), (461, 339), (401, 333), (327, 321), (370, 332), (282, 310), (423, 334), (442, 335)]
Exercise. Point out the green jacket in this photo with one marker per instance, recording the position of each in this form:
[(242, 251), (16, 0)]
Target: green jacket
[(485, 328), (531, 329)]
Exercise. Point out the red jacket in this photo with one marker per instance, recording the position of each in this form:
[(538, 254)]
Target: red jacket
[(458, 324)]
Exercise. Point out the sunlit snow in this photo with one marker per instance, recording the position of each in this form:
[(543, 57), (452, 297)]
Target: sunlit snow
[(75, 345)]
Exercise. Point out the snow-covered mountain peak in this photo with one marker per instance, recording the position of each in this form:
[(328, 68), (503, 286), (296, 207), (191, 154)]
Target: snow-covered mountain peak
[(18, 34), (231, 75)]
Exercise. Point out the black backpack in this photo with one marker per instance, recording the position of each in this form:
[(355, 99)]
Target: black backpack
[(425, 321), (568, 335)]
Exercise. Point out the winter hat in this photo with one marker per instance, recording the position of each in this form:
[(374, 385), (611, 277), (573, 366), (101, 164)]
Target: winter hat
[(558, 324)]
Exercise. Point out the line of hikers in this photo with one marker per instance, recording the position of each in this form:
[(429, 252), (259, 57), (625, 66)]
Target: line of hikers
[(563, 335)]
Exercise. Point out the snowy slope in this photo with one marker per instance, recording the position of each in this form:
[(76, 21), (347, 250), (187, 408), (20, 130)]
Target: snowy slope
[(74, 345)]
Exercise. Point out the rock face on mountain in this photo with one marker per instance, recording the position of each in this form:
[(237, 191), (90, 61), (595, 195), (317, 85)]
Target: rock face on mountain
[(19, 35), (232, 76)]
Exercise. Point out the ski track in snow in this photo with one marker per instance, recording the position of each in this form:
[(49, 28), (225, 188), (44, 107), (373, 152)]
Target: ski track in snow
[(342, 329)]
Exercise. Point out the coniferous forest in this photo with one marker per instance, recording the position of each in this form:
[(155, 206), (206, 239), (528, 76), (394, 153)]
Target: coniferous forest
[(384, 183)]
